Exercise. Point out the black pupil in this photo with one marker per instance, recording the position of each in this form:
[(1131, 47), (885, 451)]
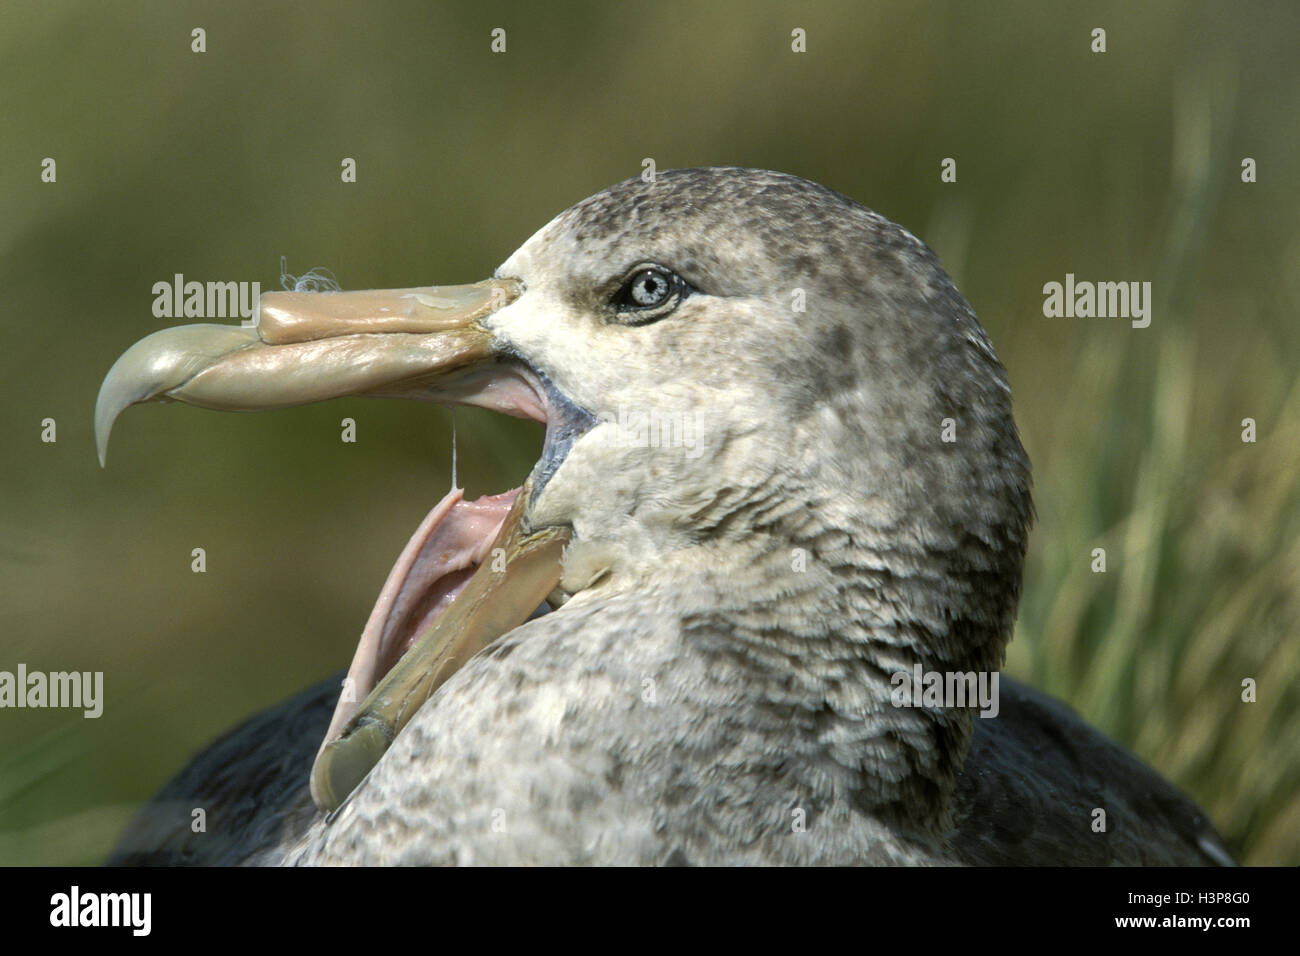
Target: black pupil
[(649, 289)]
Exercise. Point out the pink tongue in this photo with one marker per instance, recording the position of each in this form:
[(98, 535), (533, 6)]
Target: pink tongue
[(436, 564)]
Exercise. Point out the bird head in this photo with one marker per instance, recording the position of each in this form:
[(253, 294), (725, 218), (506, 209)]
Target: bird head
[(727, 361)]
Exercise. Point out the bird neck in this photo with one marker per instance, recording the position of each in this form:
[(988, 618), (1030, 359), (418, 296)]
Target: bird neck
[(801, 638)]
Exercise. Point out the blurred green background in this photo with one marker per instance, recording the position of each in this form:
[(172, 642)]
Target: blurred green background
[(1122, 166)]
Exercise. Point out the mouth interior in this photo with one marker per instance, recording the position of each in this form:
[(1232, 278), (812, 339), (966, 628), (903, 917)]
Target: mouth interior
[(432, 570), (434, 567), (450, 544)]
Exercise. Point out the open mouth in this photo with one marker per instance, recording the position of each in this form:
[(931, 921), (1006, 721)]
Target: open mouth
[(444, 553), (473, 570)]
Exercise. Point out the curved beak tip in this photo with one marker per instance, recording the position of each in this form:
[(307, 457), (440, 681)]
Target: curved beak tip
[(158, 364)]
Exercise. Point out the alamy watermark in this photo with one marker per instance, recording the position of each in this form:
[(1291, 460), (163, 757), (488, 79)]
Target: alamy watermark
[(656, 428), (79, 689), (922, 688), (1102, 300), (179, 299), (129, 910)]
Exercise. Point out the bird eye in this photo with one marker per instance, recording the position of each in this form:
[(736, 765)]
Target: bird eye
[(648, 289), (650, 293)]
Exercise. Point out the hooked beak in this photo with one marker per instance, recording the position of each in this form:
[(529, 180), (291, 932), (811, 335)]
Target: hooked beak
[(472, 571), (310, 346)]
